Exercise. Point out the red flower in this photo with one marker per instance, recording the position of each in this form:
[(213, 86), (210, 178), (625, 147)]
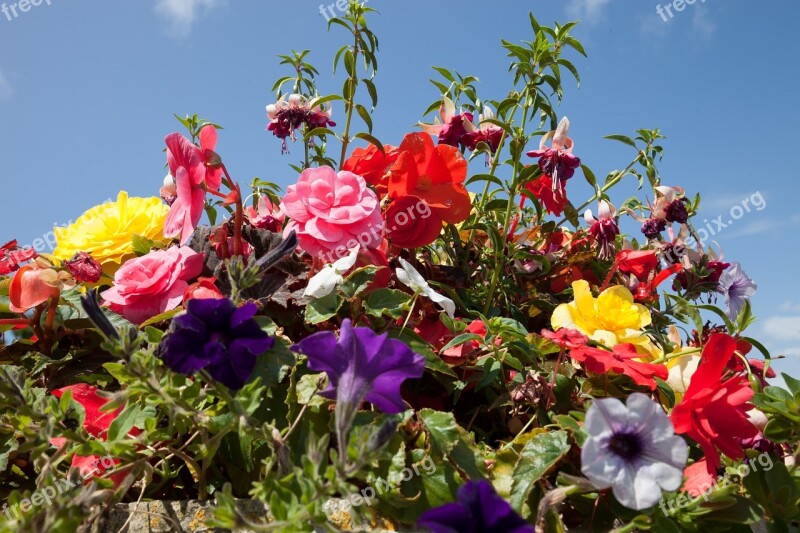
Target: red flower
[(714, 410), (623, 360), (96, 423), (640, 263), (553, 200), (435, 174), (457, 355), (373, 165), (407, 224), (569, 339), (203, 289), (699, 480), (12, 257), (84, 268)]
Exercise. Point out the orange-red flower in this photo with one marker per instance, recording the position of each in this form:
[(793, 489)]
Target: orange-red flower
[(411, 223), (27, 289), (436, 174), (713, 411), (373, 165)]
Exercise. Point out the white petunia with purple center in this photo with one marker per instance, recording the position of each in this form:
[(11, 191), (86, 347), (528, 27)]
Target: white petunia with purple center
[(633, 450)]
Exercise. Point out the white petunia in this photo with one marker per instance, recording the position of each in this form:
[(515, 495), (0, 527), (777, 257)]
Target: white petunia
[(410, 277), (331, 276), (632, 449)]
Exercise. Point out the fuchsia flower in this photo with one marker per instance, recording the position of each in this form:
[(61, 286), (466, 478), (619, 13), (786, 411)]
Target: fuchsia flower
[(265, 215), (557, 162), (153, 284), (332, 213), (485, 132), (670, 205), (187, 165), (288, 115), (604, 229), (453, 127)]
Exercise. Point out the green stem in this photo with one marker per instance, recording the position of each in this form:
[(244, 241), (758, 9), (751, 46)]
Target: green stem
[(608, 185), (351, 102)]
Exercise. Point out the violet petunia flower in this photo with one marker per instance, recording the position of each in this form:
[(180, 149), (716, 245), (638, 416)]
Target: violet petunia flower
[(737, 287), (632, 449), (362, 365), (478, 508), (216, 336)]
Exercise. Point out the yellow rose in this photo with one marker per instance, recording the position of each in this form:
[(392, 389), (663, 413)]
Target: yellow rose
[(106, 231), (610, 319)]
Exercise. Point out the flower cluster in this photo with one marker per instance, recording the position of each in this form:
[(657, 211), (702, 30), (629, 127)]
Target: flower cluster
[(399, 305)]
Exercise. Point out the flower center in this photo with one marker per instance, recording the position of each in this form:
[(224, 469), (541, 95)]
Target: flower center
[(220, 338), (626, 445), (424, 183)]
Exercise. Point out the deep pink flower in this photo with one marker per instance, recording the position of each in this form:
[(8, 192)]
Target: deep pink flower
[(485, 132), (557, 162), (187, 165), (153, 284), (604, 229), (332, 213), (265, 215), (453, 127), (288, 115)]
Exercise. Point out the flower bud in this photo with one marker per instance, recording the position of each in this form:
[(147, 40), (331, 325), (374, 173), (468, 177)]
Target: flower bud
[(84, 268)]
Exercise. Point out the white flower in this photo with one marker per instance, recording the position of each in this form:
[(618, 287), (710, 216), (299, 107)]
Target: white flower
[(409, 276), (632, 449), (324, 282)]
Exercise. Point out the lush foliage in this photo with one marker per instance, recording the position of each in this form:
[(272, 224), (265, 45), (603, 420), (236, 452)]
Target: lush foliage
[(427, 329)]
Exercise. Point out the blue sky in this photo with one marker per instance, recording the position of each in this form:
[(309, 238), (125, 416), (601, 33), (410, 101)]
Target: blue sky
[(88, 89)]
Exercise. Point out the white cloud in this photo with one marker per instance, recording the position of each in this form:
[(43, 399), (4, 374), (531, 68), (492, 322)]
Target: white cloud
[(790, 307), (182, 14), (587, 10), (782, 328), (5, 87), (702, 23)]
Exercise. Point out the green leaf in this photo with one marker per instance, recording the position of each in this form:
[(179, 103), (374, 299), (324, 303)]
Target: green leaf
[(323, 309), (621, 138), (131, 415), (389, 302), (358, 281), (539, 456)]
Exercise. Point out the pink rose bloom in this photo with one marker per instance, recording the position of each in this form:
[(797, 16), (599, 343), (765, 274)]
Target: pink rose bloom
[(332, 213), (153, 284)]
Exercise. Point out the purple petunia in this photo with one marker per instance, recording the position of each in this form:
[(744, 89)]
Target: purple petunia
[(478, 508), (216, 336), (362, 365), (737, 287)]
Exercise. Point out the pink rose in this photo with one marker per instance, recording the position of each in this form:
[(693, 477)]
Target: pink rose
[(153, 284), (332, 213)]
